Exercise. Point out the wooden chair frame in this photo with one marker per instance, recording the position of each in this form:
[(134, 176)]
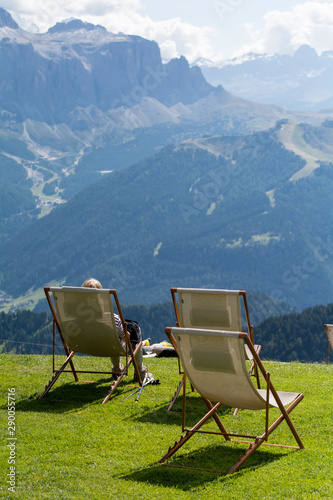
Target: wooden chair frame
[(330, 336), (130, 353), (254, 441), (253, 369)]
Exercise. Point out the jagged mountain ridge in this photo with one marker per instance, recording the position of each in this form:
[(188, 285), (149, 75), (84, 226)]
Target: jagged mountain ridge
[(300, 82), (46, 76)]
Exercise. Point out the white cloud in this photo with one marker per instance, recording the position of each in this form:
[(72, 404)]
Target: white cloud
[(168, 49), (182, 37), (174, 36), (46, 13), (308, 23)]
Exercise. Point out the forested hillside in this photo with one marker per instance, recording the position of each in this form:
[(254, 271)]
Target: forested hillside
[(18, 204), (297, 336), (25, 332), (284, 337), (217, 212)]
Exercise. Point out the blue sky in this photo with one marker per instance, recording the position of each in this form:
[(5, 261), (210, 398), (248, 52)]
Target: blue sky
[(215, 29)]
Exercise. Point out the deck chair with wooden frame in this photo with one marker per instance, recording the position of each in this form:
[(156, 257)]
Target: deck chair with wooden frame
[(329, 331), (84, 318), (212, 309), (214, 361)]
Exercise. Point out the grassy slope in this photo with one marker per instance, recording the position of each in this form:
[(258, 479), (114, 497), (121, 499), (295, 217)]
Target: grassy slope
[(70, 446)]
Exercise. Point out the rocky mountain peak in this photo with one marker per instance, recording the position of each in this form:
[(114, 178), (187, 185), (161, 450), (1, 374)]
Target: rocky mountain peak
[(7, 20), (306, 56), (90, 67), (74, 25)]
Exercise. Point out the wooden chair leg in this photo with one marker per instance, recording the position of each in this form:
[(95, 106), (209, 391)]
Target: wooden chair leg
[(56, 375), (180, 385), (189, 433), (328, 351), (123, 373)]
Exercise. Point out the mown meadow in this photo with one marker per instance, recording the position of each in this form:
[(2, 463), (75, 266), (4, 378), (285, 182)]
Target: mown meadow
[(70, 446)]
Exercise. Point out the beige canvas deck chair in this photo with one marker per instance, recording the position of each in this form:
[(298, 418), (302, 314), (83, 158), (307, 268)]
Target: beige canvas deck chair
[(212, 309), (84, 318), (329, 331), (215, 364)]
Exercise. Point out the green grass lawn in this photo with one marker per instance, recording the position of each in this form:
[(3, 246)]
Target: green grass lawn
[(70, 446)]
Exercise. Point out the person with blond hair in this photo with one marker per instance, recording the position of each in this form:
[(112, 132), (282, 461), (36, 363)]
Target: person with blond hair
[(135, 336)]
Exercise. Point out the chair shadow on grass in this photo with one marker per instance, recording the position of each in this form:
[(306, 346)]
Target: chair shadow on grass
[(217, 458), (71, 396), (194, 409)]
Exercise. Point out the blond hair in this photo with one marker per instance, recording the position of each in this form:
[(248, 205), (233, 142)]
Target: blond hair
[(92, 283)]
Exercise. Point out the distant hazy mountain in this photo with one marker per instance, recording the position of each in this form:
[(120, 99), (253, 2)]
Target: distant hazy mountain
[(300, 82), (221, 212), (78, 101)]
